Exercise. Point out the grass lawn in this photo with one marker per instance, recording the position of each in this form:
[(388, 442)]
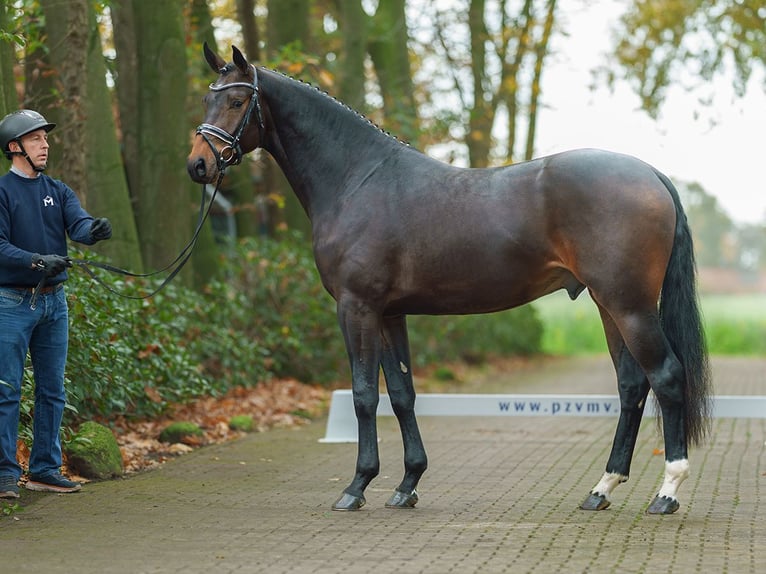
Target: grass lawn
[(734, 324)]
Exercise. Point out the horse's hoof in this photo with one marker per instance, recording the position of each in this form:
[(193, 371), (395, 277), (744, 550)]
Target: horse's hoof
[(595, 502), (663, 505), (401, 499), (349, 502)]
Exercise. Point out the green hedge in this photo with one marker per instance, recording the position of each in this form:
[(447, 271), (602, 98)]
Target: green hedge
[(266, 315)]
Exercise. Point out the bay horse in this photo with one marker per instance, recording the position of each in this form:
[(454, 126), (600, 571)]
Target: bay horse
[(396, 232)]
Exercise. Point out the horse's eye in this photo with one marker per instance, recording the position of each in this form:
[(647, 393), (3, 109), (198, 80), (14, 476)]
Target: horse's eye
[(236, 104)]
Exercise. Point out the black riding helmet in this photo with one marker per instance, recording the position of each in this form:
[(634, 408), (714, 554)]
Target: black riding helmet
[(18, 124)]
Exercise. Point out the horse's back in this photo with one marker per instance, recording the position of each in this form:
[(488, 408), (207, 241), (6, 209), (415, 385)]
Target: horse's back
[(572, 185)]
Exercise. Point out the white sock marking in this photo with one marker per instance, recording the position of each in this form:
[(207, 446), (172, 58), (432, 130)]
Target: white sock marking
[(675, 473), (608, 483)]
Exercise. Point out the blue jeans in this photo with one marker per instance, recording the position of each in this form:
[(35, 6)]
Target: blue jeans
[(44, 333)]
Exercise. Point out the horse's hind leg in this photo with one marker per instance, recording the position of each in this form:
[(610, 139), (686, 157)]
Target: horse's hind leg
[(647, 343), (633, 388), (398, 373)]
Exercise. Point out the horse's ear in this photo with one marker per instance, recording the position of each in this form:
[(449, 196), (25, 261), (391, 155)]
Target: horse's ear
[(214, 60), (239, 60)]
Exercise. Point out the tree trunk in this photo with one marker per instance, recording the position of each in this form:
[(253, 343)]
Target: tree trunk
[(288, 22), (163, 208), (541, 49), (126, 46), (246, 15), (482, 114), (108, 194), (205, 255), (40, 91), (353, 25), (8, 99), (509, 89), (67, 31), (389, 53)]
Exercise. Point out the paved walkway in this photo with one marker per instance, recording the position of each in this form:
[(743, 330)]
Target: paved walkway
[(500, 495)]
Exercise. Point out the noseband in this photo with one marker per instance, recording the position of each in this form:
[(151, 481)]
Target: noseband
[(231, 153)]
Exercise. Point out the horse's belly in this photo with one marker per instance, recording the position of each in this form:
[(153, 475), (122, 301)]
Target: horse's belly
[(469, 291)]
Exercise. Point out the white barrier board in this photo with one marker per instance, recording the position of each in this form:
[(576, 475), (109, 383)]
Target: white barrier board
[(342, 426)]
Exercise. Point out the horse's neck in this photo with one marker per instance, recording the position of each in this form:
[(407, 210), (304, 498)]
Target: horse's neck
[(323, 148)]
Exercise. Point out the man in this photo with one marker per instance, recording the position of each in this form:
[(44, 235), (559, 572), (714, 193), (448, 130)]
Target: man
[(37, 213)]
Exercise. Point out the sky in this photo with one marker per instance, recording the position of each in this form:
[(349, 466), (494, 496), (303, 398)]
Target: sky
[(726, 157)]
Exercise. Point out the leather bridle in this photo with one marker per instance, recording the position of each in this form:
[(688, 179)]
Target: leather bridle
[(231, 152)]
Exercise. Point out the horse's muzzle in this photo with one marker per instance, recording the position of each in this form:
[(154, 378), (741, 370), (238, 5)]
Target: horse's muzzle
[(198, 169)]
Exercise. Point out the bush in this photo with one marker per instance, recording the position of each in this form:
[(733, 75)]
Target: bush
[(129, 356), (474, 338), (273, 298)]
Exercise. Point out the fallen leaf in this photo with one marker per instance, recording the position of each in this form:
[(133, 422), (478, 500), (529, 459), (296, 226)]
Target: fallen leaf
[(270, 404), (153, 394)]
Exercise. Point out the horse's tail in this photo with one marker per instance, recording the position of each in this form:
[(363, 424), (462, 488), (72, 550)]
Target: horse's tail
[(682, 323)]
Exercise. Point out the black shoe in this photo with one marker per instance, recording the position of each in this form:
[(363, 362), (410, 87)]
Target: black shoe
[(9, 487)]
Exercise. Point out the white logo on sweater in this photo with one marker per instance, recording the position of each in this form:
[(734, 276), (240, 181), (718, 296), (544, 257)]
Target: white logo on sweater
[(47, 201)]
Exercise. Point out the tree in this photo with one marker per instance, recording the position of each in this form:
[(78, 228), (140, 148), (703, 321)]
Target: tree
[(8, 41), (482, 113), (494, 61), (752, 247), (353, 23), (387, 46), (687, 42), (711, 227), (288, 31), (126, 83), (288, 22), (67, 41), (151, 36), (108, 193), (250, 34), (540, 51)]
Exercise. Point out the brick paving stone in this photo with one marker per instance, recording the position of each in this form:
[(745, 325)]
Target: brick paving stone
[(500, 495)]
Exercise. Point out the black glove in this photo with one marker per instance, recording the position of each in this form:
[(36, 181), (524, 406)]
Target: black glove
[(101, 229), (51, 265)]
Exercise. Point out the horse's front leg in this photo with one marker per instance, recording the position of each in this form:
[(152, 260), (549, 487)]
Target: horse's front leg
[(398, 372), (361, 327)]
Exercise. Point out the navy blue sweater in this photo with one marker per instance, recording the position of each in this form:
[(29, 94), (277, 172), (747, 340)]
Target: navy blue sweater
[(36, 215)]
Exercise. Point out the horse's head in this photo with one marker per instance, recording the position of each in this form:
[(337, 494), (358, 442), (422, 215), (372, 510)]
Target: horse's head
[(233, 124)]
